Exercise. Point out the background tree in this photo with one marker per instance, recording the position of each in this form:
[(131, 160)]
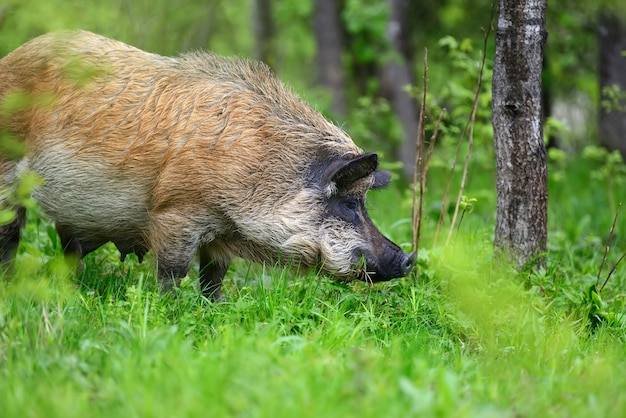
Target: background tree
[(329, 34), (612, 80), (397, 75), (521, 166), (263, 26)]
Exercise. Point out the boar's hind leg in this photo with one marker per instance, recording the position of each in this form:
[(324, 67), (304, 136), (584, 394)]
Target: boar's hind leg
[(212, 272), (71, 246)]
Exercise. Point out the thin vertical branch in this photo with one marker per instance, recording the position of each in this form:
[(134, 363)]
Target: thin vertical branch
[(424, 174), (471, 123), (608, 246), (431, 144), (612, 271), (470, 143), (417, 171)]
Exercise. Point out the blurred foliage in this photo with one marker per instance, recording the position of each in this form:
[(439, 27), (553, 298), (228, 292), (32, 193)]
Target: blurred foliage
[(458, 93), (159, 26), (613, 99), (366, 23), (372, 125), (451, 29), (608, 170)]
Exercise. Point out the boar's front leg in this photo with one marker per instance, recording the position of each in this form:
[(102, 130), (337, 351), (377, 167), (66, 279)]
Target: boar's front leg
[(173, 266), (212, 272), (174, 239)]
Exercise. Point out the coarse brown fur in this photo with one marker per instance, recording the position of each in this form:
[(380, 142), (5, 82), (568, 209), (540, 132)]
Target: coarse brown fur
[(175, 154)]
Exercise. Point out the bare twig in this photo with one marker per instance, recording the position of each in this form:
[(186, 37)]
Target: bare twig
[(424, 175), (607, 248), (419, 154), (431, 145), (612, 271)]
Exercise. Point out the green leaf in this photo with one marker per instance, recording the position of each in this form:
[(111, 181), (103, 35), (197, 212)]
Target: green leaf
[(6, 216)]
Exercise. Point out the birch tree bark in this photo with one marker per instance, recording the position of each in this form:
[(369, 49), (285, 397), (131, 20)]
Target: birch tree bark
[(521, 166)]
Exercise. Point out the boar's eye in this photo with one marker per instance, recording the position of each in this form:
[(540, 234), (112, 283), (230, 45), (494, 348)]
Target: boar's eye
[(349, 209), (350, 204), (346, 208)]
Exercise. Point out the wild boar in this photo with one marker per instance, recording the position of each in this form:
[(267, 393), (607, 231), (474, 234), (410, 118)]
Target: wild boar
[(193, 153)]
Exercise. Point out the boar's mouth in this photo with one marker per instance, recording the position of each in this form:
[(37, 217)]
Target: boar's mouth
[(395, 266)]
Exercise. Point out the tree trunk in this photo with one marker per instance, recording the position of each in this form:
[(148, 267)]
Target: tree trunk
[(263, 27), (397, 75), (330, 45), (612, 43), (521, 167)]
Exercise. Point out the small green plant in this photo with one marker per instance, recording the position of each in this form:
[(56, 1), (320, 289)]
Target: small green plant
[(466, 205), (597, 310), (613, 99)]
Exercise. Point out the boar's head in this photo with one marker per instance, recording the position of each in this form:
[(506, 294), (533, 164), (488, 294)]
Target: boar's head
[(351, 246)]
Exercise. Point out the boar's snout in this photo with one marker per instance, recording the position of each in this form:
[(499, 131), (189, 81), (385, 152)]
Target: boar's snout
[(389, 264), (409, 263)]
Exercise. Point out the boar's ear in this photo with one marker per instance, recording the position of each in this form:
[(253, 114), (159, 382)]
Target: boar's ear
[(346, 172), (381, 179)]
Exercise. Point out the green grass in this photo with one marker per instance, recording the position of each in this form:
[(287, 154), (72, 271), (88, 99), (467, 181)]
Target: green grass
[(462, 337)]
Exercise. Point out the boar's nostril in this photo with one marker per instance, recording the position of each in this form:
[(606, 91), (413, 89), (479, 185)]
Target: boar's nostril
[(409, 263)]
